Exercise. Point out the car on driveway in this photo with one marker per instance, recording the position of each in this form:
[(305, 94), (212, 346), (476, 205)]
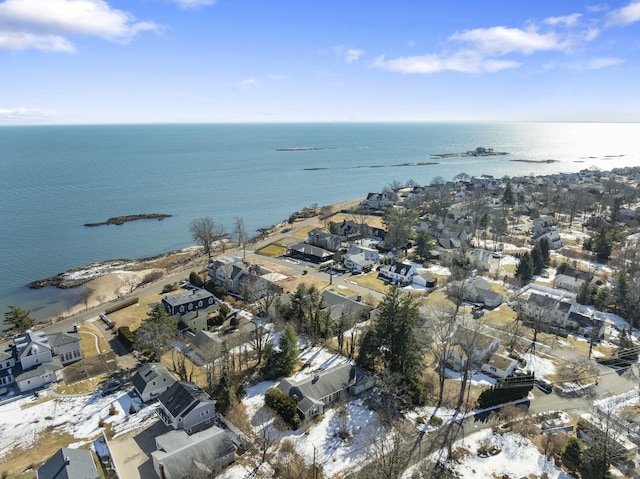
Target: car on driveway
[(111, 386), (544, 385)]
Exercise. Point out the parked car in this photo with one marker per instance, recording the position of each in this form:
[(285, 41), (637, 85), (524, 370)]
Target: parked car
[(111, 386), (544, 385)]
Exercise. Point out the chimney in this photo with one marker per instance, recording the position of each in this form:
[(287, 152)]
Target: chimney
[(161, 468), (66, 461)]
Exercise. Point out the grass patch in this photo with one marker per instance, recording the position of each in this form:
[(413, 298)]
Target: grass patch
[(89, 335), (371, 281), (303, 233), (133, 315), (274, 250), (81, 387)]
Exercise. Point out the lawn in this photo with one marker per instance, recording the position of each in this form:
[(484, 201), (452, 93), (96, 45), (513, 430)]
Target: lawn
[(273, 250), (371, 281), (90, 334)]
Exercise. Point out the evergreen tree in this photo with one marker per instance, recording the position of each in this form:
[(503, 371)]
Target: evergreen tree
[(424, 245), (157, 332), (524, 270), (621, 294), (394, 329), (18, 320), (368, 350), (595, 462), (571, 454), (282, 361), (583, 294), (537, 259), (546, 250), (507, 197)]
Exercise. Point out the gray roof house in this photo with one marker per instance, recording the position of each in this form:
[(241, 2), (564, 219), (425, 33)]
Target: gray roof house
[(182, 303), (151, 380), (178, 453), (69, 463), (479, 290), (314, 392), (186, 406), (398, 272), (340, 305)]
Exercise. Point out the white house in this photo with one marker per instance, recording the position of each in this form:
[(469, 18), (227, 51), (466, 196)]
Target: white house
[(151, 380), (399, 273), (499, 365)]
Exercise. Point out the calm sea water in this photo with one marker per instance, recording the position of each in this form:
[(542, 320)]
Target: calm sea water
[(56, 178)]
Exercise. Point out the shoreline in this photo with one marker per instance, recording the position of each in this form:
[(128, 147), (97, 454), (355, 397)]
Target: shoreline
[(110, 280)]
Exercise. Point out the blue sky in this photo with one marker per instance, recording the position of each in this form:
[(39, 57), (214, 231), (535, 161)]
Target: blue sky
[(133, 61)]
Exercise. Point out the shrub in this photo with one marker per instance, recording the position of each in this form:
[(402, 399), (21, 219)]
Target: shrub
[(169, 287), (435, 421), (151, 277), (285, 406), (112, 410), (126, 337)]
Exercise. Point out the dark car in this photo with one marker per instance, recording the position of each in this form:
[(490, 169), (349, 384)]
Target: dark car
[(111, 386), (544, 385)]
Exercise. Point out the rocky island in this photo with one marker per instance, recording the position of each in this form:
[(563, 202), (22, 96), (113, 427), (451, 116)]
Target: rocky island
[(119, 220), (479, 151)]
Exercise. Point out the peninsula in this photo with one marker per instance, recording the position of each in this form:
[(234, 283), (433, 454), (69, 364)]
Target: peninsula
[(119, 220)]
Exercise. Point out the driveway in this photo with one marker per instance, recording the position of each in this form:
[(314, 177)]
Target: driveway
[(131, 451)]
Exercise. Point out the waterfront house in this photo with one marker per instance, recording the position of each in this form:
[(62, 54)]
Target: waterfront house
[(310, 253), (66, 345), (186, 406), (324, 240), (7, 365), (179, 454), (151, 380), (181, 303)]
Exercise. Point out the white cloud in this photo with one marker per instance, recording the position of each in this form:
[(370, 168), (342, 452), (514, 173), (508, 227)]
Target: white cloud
[(194, 4), (625, 15), (248, 83), (46, 24), (25, 114), (568, 20), (465, 62), (503, 40), (348, 55), (604, 62)]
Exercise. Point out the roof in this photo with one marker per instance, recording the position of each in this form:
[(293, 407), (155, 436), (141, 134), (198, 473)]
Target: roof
[(500, 361), (179, 452), (542, 301), (26, 341), (187, 297), (308, 249), (315, 388), (39, 370), (147, 373), (60, 339), (69, 463), (467, 336), (182, 397)]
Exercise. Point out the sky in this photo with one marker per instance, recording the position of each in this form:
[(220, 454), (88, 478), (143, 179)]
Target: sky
[(168, 61)]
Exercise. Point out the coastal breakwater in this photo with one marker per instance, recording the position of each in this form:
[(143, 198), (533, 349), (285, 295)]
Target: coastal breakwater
[(119, 220), (479, 151)]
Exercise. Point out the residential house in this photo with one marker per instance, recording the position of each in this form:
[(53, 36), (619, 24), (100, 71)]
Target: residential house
[(369, 254), (499, 365), (181, 303), (7, 365), (357, 263), (69, 463), (398, 273), (379, 201), (572, 279), (479, 290), (35, 363), (340, 305), (205, 347), (426, 280), (66, 345), (543, 224), (584, 325), (553, 237), (194, 321), (310, 253), (186, 406), (471, 344), (178, 453), (352, 231), (314, 393), (151, 380), (324, 240), (250, 283), (481, 259)]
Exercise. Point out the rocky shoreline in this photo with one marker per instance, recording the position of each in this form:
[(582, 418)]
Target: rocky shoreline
[(119, 220)]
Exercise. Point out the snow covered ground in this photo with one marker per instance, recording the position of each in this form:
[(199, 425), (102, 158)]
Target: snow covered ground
[(24, 420)]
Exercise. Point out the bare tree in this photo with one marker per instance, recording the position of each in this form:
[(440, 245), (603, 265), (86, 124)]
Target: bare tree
[(441, 345), (260, 337), (205, 231), (181, 366), (241, 235), (388, 455)]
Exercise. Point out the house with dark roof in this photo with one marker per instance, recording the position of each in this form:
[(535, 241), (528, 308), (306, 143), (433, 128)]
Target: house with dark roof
[(151, 380), (7, 364), (400, 273), (69, 463), (351, 306), (572, 279), (307, 252), (314, 393), (178, 454), (322, 239), (182, 303), (186, 406), (426, 280)]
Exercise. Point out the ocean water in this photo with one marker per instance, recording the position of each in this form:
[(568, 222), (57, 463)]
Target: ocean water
[(57, 178)]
